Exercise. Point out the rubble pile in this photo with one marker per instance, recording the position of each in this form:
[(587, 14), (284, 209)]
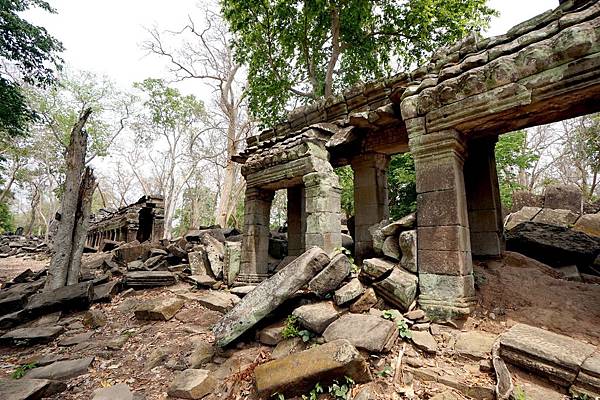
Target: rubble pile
[(21, 246)]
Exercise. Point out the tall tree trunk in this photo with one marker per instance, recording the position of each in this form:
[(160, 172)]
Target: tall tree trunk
[(82, 224), (58, 272), (35, 200)]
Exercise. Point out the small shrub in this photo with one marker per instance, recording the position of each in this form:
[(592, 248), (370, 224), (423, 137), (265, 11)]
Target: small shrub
[(519, 394), (341, 391), (290, 329), (386, 371), (21, 370)]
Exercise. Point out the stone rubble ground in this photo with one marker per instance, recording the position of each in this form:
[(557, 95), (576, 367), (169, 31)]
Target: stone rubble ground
[(159, 339)]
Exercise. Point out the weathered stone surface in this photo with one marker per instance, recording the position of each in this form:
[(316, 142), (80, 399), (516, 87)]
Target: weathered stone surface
[(177, 251), (448, 377), (232, 261), (192, 384), (552, 245), (72, 297), (378, 236), (525, 214), (565, 218), (131, 251), (557, 357), (75, 339), (203, 352), (567, 197), (200, 280), (367, 300), (119, 391), (145, 279), (588, 379), (354, 327), (391, 248), (404, 223), (588, 224), (287, 347), (29, 336), (399, 288), (241, 291), (105, 292), (415, 315), (11, 320), (474, 344), (318, 316), (215, 252), (199, 263), (376, 268), (29, 389), (297, 373), (408, 246), (423, 340), (348, 292), (217, 301), (197, 234), (269, 295), (160, 309), (331, 277), (271, 335), (61, 370)]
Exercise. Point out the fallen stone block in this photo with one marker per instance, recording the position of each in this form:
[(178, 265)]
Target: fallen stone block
[(348, 292), (30, 336), (564, 218), (408, 246), (364, 303), (94, 319), (75, 339), (232, 261), (331, 277), (11, 320), (203, 352), (375, 268), (29, 389), (195, 236), (217, 301), (588, 379), (297, 373), (354, 327), (131, 251), (474, 344), (177, 251), (391, 248), (104, 293), (13, 303), (120, 391), (199, 263), (269, 294), (215, 252), (563, 197), (471, 390), (318, 316), (556, 357), (404, 223), (68, 298), (378, 236), (241, 291), (588, 224), (145, 279), (423, 340), (200, 280), (192, 384), (271, 335), (161, 309), (61, 370), (287, 347), (398, 289)]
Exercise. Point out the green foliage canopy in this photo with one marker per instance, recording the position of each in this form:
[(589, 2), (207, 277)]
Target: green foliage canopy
[(299, 51), (29, 51)]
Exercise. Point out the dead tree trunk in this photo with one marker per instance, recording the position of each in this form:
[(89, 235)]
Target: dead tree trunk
[(73, 225)]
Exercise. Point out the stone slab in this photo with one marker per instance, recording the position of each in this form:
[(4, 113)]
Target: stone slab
[(331, 277), (192, 384), (350, 291), (29, 389), (318, 316), (119, 391), (354, 327), (61, 370), (475, 344), (29, 336), (161, 309)]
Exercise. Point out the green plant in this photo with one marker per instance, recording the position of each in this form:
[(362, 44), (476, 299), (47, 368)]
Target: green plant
[(580, 396), (306, 335), (290, 329), (403, 330), (388, 314), (21, 370), (314, 393), (519, 394), (341, 391), (386, 371)]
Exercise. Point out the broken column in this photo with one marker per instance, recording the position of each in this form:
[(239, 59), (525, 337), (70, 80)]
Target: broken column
[(443, 243), (370, 199), (296, 218), (323, 219), (483, 199), (255, 244)]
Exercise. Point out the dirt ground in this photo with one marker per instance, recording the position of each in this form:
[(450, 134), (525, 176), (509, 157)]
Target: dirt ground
[(12, 266), (147, 355)]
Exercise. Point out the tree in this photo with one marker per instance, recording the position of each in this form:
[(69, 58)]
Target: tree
[(177, 123), (204, 54), (512, 157), (402, 186), (27, 54), (300, 51)]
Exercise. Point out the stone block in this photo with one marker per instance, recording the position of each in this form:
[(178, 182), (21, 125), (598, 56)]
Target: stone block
[(367, 300), (232, 261), (525, 214), (348, 292), (29, 336), (446, 287), (588, 379), (120, 391), (269, 294), (61, 370), (192, 384), (404, 223), (399, 288), (564, 218), (566, 197), (161, 309), (330, 278), (381, 336), (588, 224), (199, 263), (376, 268), (391, 248), (474, 344), (445, 262), (29, 389), (444, 207), (408, 247), (318, 316), (217, 300), (297, 373), (438, 174), (67, 298), (423, 340), (271, 335)]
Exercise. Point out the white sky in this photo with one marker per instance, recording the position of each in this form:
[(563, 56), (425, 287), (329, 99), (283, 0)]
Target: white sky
[(104, 36)]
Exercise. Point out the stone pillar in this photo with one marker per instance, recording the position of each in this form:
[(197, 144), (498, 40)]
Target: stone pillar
[(444, 251), (483, 199), (255, 243), (296, 218), (323, 211), (370, 199)]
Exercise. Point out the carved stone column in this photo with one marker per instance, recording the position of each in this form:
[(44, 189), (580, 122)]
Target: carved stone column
[(323, 211), (255, 242), (483, 199), (296, 217), (444, 250), (370, 199)]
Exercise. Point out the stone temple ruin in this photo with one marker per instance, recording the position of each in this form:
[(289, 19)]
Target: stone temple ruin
[(141, 221), (448, 114)]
